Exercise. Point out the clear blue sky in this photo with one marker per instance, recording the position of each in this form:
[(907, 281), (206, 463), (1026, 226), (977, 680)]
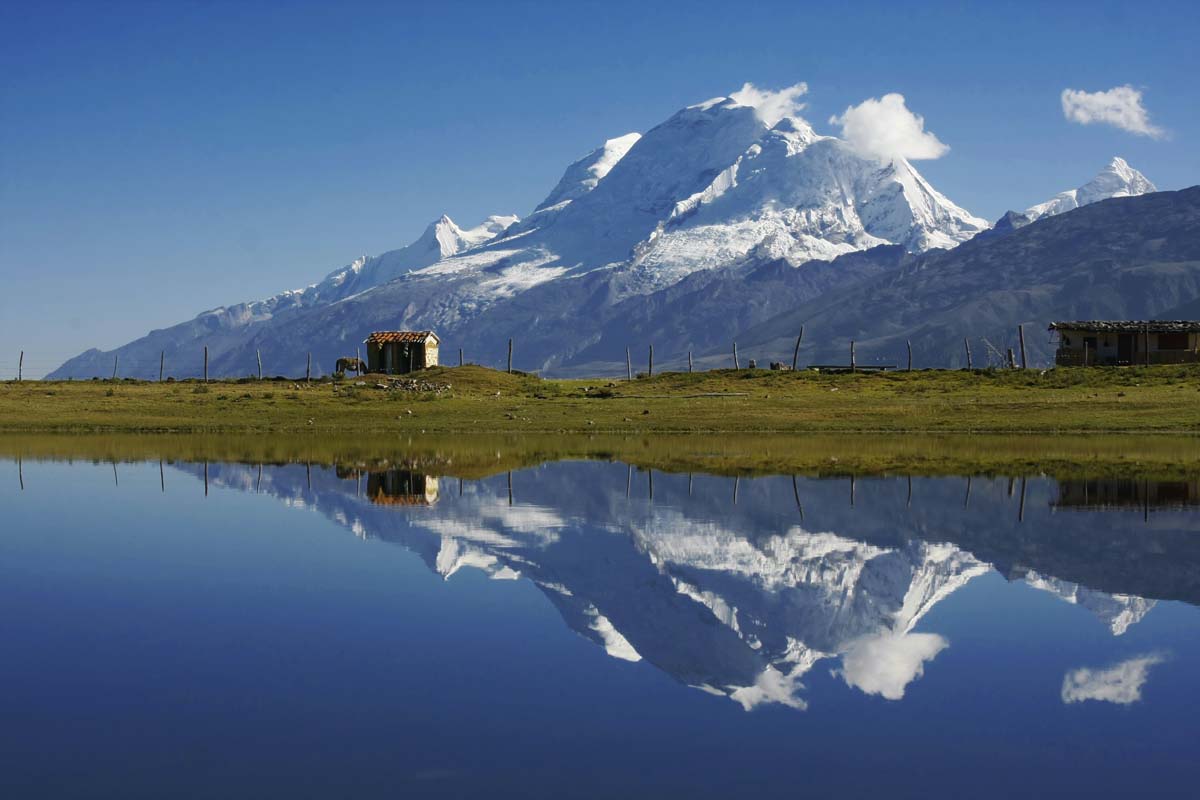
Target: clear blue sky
[(158, 159)]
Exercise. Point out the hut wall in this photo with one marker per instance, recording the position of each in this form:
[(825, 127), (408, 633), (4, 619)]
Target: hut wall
[(1104, 347)]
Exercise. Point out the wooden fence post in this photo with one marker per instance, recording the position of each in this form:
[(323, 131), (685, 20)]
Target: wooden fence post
[(650, 366), (1021, 336), (909, 343), (628, 365), (510, 355), (206, 363), (307, 369), (967, 344), (460, 358), (258, 353), (796, 352), (853, 363), (1012, 361), (20, 366), (735, 358), (162, 360)]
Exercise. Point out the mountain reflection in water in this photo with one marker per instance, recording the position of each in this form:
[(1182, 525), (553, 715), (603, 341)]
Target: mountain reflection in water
[(741, 587)]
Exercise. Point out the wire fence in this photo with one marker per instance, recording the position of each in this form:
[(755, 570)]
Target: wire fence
[(981, 352)]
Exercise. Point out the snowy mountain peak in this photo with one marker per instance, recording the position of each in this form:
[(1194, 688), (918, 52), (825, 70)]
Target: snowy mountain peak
[(583, 175), (449, 239), (800, 196), (1117, 179)]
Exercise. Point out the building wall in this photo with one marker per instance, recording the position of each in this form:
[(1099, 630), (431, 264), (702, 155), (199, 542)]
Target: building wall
[(392, 357), (1071, 349)]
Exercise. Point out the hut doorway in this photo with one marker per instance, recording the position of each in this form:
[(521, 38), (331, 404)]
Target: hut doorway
[(1125, 348)]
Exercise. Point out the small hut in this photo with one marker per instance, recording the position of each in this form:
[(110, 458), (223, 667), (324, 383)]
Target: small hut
[(1118, 342), (398, 487), (397, 352), (1117, 493)]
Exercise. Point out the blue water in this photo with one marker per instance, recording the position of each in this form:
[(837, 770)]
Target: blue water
[(293, 635)]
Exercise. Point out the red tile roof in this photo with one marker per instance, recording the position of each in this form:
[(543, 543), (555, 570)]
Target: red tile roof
[(402, 337)]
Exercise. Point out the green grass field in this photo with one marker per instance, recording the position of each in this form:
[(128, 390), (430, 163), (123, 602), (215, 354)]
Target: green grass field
[(1164, 399)]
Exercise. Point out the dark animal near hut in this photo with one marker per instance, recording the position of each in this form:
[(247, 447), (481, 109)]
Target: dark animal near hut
[(344, 365)]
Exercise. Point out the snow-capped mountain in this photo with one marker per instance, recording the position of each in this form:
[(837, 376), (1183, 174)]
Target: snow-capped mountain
[(1117, 611), (1118, 179), (798, 196), (713, 187)]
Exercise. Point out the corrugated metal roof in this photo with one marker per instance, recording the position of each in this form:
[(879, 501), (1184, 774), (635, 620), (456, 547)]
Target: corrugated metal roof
[(401, 337), (1130, 326)]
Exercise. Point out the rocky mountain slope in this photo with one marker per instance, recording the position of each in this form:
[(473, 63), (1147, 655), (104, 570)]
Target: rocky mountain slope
[(1122, 258)]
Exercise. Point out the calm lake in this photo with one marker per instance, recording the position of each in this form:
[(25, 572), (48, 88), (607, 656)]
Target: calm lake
[(591, 628)]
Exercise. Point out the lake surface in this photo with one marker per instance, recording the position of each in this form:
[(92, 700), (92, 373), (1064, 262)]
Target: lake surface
[(592, 629)]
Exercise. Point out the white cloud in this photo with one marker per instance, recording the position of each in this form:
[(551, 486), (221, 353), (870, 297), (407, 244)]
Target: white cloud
[(1120, 107), (772, 106), (887, 664), (771, 686), (886, 129), (1121, 683)]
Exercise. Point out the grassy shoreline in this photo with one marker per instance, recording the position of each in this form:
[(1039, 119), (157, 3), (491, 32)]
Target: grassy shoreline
[(478, 455), (1160, 399)]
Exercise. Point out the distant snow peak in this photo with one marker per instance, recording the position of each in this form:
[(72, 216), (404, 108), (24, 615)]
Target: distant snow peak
[(772, 106), (1117, 179), (886, 129)]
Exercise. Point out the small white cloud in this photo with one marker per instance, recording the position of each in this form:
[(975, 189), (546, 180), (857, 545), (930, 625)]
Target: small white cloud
[(772, 106), (1120, 683), (1120, 107), (887, 664), (886, 129)]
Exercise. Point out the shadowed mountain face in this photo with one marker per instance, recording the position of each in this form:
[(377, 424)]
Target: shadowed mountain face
[(741, 587), (1124, 258)]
